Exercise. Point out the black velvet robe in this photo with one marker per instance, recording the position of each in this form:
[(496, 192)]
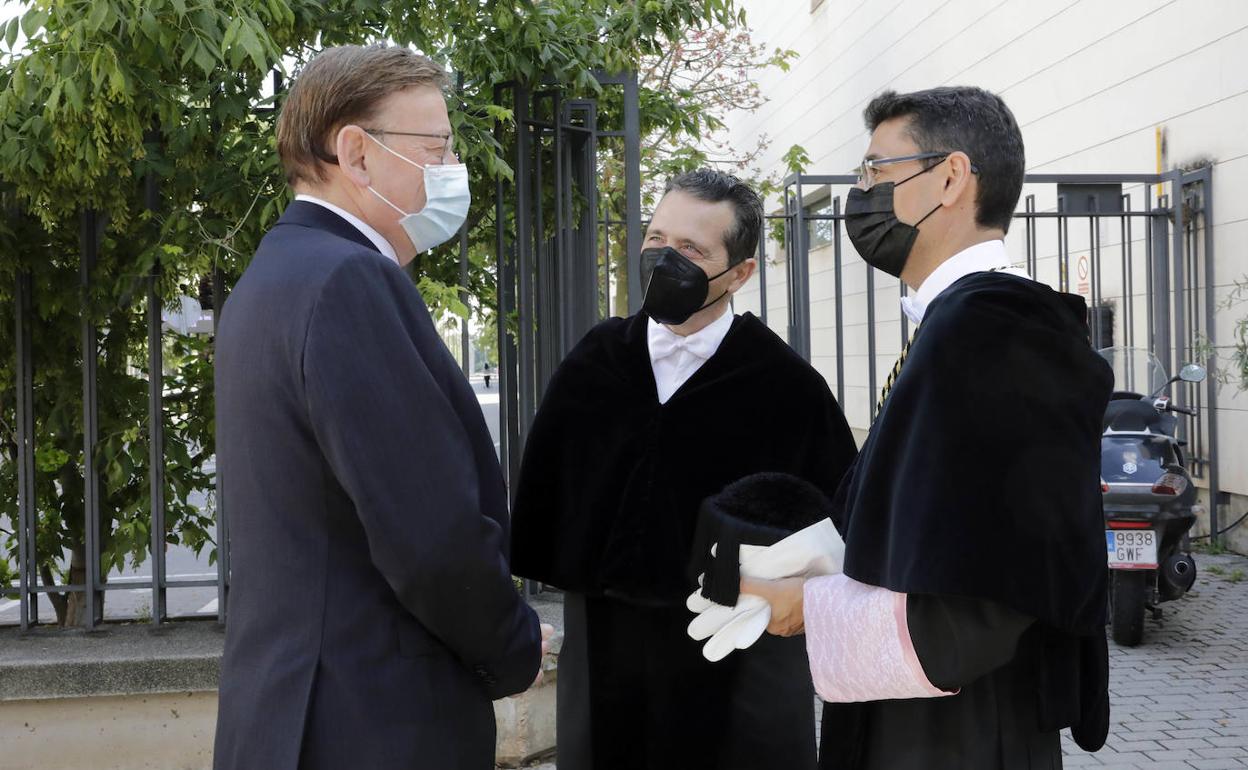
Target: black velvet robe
[(606, 509), (977, 492)]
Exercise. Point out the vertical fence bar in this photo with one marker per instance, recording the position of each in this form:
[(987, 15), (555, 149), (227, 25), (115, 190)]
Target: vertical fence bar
[(606, 260), (1063, 246), (1211, 382), (902, 293), (840, 304), (762, 275), (90, 421), (873, 391), (156, 444), (1128, 275), (27, 516), (1150, 329), (1160, 283), (223, 528), (1094, 268), (1191, 256), (539, 262), (465, 343), (509, 437), (1178, 267), (524, 264), (632, 190), (799, 310), (1032, 258), (155, 415)]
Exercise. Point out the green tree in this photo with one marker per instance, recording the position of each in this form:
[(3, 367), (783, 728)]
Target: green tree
[(106, 93)]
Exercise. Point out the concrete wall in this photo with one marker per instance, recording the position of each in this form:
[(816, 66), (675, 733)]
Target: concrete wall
[(174, 731), (162, 731), (1090, 82)]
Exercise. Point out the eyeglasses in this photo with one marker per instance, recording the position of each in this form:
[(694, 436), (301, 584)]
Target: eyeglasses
[(446, 138), (869, 168)]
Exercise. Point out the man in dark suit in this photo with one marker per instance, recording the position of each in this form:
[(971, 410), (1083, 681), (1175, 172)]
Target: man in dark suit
[(372, 614)]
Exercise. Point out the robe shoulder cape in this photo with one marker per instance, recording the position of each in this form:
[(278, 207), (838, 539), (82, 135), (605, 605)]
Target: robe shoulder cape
[(611, 482), (980, 479)]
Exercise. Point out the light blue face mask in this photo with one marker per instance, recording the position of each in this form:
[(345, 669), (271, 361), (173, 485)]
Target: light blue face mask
[(446, 203)]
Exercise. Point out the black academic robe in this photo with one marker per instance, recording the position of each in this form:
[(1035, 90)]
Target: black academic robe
[(606, 509), (977, 493)]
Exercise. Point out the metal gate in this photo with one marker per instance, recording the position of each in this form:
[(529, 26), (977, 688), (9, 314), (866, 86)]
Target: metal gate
[(553, 237), (1138, 247)]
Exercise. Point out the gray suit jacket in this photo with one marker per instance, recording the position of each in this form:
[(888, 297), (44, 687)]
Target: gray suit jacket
[(372, 616)]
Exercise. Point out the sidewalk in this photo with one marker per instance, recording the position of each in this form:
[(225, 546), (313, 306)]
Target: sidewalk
[(1180, 699)]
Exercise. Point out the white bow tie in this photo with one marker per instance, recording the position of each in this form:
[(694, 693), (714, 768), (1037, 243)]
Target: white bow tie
[(666, 343)]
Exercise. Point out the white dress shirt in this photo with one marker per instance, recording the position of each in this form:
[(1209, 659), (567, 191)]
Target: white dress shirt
[(674, 358), (359, 224), (982, 257)]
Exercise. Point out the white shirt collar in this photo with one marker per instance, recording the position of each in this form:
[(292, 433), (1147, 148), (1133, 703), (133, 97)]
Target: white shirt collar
[(989, 255), (359, 224)]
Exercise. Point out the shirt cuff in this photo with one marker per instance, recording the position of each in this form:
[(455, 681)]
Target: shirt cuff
[(859, 645)]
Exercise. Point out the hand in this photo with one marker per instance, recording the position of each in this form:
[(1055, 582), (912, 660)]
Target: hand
[(785, 597), (548, 631)]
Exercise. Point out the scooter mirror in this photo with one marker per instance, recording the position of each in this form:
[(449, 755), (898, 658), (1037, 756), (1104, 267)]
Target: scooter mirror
[(1192, 373)]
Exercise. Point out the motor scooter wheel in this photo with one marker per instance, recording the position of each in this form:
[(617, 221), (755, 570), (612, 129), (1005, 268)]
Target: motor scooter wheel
[(1126, 604)]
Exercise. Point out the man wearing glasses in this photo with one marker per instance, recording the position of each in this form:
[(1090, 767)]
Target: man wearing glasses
[(968, 626), (372, 615)]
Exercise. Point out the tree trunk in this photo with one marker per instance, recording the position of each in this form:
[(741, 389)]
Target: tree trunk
[(75, 603), (59, 601)]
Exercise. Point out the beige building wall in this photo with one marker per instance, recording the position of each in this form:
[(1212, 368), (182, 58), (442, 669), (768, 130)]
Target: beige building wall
[(1090, 82)]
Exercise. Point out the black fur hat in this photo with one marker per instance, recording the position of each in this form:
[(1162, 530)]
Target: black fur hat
[(760, 509)]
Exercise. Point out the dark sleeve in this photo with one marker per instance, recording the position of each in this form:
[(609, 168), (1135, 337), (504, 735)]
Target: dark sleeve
[(396, 445), (958, 640)]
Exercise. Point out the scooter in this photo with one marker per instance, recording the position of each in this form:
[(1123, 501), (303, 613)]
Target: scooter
[(1150, 500)]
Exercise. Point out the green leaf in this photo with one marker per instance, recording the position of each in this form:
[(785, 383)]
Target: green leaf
[(204, 59), (231, 34), (33, 21), (100, 11), (147, 23), (10, 34), (189, 53), (251, 43), (73, 94)]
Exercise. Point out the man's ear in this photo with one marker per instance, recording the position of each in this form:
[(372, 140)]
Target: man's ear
[(958, 177), (351, 144), (745, 270)]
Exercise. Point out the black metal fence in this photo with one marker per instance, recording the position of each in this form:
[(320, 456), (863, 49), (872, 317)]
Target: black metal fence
[(1143, 259), (555, 266), (1138, 247), (554, 247)]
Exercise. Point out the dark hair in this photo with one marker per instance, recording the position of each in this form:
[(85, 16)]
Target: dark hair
[(715, 186), (342, 85), (971, 120)]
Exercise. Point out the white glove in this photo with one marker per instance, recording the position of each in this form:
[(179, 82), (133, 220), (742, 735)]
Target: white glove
[(815, 550)]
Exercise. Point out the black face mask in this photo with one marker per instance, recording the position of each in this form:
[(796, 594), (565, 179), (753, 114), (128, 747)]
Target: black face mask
[(883, 241), (675, 287)]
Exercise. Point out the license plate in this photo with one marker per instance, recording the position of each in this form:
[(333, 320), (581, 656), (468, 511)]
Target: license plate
[(1131, 548)]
